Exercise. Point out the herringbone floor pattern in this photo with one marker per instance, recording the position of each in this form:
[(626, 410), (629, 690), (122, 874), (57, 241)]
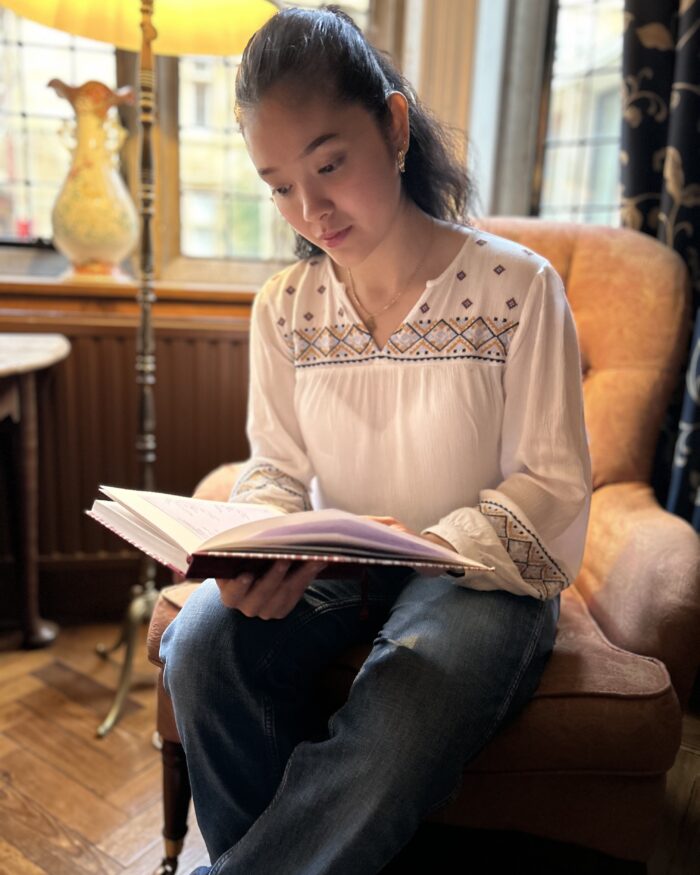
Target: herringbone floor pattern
[(71, 803)]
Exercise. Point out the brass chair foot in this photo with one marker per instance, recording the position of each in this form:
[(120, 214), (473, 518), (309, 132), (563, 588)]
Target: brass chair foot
[(168, 866), (169, 863)]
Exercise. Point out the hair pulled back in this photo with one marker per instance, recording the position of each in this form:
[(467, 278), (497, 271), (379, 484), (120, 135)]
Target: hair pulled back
[(312, 49)]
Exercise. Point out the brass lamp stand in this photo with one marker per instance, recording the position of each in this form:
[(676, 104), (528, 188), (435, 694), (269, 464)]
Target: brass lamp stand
[(145, 593)]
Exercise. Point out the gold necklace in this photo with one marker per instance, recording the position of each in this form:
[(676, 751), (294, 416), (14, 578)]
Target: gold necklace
[(371, 321)]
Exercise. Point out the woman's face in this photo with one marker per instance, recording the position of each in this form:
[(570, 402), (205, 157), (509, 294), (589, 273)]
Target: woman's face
[(332, 173)]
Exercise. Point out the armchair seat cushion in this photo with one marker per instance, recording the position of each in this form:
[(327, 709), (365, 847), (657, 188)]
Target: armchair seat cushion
[(598, 708)]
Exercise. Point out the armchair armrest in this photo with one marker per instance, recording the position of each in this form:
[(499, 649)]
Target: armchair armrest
[(641, 579), (217, 485)]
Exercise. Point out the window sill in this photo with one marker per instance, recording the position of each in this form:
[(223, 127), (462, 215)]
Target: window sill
[(219, 272), (36, 273)]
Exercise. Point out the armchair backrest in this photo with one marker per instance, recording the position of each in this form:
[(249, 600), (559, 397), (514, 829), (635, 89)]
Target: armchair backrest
[(629, 295)]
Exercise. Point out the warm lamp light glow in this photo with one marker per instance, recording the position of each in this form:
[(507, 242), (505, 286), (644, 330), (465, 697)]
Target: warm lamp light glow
[(207, 27)]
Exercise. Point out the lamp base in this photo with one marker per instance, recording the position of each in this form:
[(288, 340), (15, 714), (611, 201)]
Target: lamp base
[(143, 599)]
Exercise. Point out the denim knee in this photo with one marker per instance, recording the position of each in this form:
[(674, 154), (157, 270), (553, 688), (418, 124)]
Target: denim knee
[(412, 699), (193, 648)]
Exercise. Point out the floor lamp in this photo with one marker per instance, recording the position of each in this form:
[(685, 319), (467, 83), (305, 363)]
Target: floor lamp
[(165, 27)]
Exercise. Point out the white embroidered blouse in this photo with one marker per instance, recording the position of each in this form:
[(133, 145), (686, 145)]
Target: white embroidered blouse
[(468, 423)]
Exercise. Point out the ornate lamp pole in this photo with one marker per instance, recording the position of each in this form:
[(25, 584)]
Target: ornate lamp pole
[(145, 593)]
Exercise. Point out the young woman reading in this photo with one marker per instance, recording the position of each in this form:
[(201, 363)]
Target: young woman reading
[(414, 369)]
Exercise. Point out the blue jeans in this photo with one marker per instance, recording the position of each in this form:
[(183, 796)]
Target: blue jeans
[(275, 789)]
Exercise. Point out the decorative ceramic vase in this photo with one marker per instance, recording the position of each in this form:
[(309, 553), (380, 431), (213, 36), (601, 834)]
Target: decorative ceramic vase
[(95, 224)]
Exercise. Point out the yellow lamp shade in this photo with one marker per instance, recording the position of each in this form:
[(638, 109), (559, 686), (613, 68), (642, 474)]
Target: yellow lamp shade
[(205, 27)]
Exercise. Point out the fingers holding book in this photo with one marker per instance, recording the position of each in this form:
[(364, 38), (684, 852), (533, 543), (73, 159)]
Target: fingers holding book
[(390, 521), (272, 595)]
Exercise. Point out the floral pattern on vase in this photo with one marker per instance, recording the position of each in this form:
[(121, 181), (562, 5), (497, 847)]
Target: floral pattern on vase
[(95, 223)]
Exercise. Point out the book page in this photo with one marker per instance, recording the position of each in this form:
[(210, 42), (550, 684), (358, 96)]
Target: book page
[(356, 532), (198, 525), (333, 528), (128, 526), (189, 521)]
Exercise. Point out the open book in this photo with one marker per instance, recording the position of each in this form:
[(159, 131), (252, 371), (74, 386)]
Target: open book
[(198, 538)]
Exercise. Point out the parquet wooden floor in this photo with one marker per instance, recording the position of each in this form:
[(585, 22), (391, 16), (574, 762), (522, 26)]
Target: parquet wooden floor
[(71, 803)]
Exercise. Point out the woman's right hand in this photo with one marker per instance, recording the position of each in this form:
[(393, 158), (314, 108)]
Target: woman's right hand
[(272, 595)]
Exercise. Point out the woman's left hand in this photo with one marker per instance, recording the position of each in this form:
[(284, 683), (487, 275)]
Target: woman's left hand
[(395, 524)]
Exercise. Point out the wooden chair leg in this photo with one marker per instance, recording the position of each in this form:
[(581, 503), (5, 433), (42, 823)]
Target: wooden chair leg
[(176, 804)]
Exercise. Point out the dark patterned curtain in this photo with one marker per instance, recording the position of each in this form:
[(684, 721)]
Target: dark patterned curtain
[(661, 196)]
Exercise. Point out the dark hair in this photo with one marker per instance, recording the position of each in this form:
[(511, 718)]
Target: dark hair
[(305, 47)]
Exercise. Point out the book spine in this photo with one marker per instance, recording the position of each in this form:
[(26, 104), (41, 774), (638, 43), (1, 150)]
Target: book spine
[(229, 565)]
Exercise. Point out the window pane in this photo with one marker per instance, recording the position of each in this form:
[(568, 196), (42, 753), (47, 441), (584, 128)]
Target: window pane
[(48, 159), (34, 160), (34, 74), (89, 65), (244, 219), (43, 199), (201, 158), (25, 211), (566, 110), (215, 170), (199, 223), (40, 35), (15, 211), (560, 182), (581, 150), (13, 153)]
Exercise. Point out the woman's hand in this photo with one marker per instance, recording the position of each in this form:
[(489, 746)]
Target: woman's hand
[(390, 521), (395, 524), (424, 571), (272, 595)]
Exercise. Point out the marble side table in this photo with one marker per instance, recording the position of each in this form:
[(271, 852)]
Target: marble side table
[(22, 356)]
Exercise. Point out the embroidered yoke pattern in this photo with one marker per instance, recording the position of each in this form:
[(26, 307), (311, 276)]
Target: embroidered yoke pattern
[(461, 337), (261, 477), (525, 549)]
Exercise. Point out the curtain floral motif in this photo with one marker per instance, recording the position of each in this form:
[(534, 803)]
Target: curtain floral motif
[(660, 160)]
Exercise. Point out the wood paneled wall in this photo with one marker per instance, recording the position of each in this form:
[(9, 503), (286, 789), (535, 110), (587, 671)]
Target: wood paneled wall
[(88, 421)]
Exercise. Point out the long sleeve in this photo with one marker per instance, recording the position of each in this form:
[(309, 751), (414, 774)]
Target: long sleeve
[(278, 471), (532, 525)]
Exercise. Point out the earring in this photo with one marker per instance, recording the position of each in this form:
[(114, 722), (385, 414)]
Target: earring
[(401, 161)]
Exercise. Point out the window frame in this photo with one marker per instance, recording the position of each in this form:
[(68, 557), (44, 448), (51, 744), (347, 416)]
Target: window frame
[(581, 211), (509, 103), (171, 267)]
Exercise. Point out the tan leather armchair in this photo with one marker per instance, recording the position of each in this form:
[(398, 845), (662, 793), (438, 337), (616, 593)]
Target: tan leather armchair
[(585, 762)]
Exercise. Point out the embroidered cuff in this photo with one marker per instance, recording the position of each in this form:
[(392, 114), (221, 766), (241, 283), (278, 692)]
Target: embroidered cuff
[(266, 484), (527, 552)]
